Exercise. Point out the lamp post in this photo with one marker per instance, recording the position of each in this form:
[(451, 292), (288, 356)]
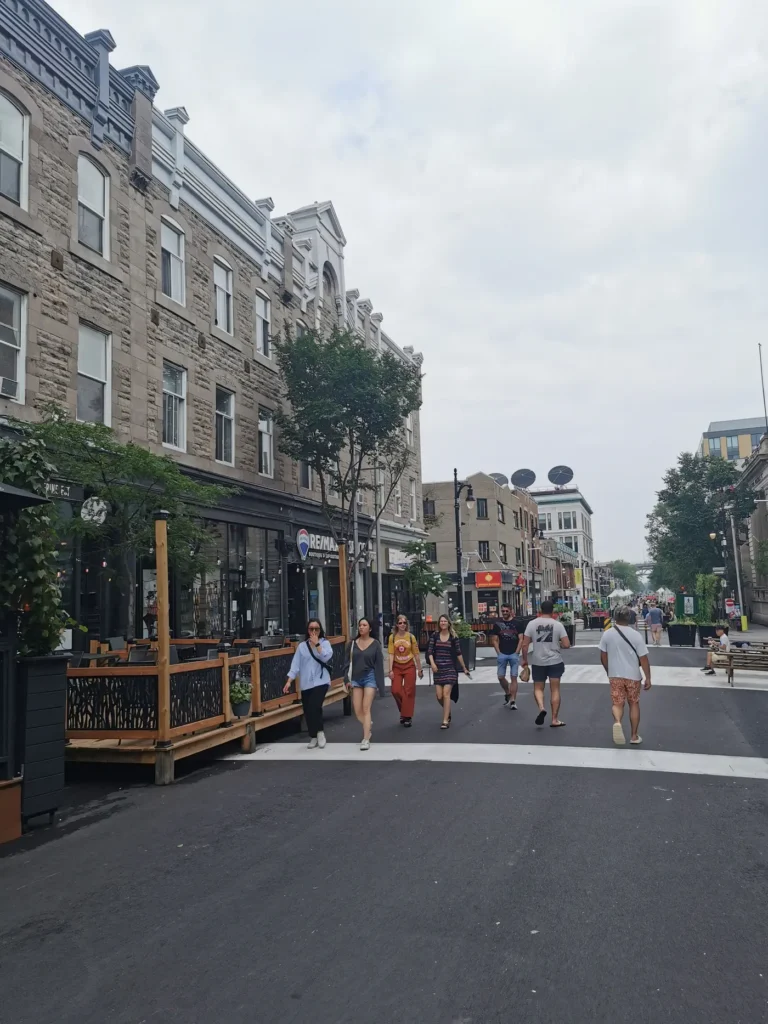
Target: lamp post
[(458, 487)]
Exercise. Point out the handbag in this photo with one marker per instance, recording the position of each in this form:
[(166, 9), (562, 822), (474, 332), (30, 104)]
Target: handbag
[(314, 657), (525, 674), (348, 676)]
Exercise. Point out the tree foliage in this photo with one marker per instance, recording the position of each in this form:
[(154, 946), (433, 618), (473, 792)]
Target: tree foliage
[(345, 407), (133, 483), (626, 573), (420, 574), (698, 497), (28, 587)]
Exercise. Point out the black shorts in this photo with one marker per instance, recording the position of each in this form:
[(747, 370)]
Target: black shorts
[(540, 673)]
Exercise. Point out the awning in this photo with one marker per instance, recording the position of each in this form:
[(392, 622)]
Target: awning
[(14, 499)]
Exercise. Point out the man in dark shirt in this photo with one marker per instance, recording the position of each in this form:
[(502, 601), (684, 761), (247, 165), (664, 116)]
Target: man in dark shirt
[(505, 638)]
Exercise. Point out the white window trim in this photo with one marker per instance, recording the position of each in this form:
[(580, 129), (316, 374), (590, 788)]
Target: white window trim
[(399, 500), (259, 321), (107, 368), (413, 509), (409, 430), (24, 177), (166, 444), (105, 253), (216, 414), (21, 389), (230, 296), (171, 223), (271, 435), (310, 477)]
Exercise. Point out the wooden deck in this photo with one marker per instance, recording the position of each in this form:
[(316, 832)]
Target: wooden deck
[(143, 751)]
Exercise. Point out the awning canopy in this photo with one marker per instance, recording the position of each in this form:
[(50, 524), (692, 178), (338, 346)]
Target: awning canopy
[(14, 499)]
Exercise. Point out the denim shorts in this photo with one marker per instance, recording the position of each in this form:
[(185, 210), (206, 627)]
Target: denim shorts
[(507, 660), (369, 679)]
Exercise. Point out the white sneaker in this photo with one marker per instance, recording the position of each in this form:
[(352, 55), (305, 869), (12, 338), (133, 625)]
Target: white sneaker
[(365, 745), (321, 740), (312, 743)]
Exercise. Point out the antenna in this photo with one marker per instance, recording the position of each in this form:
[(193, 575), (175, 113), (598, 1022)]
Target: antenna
[(560, 475), (523, 478), (500, 479)]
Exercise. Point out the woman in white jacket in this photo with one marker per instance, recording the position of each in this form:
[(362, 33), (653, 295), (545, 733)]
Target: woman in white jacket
[(311, 664)]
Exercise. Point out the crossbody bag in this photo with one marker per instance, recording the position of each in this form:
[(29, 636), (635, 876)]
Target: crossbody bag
[(314, 657), (628, 641)]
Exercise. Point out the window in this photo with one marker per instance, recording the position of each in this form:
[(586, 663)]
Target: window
[(431, 551), (301, 329), (398, 500), (94, 357), (503, 553), (305, 475), (174, 406), (12, 343), (482, 508), (225, 426), (569, 523), (359, 497), (92, 206), (518, 557), (414, 507), (484, 550), (756, 439), (516, 517), (576, 544), (559, 520), (542, 522), (499, 511), (409, 430), (568, 541), (732, 448), (549, 520), (222, 292), (13, 131), (525, 514), (714, 447), (172, 257), (266, 442), (429, 507), (263, 313)]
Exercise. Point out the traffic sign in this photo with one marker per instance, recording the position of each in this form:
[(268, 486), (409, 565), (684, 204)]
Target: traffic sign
[(719, 570)]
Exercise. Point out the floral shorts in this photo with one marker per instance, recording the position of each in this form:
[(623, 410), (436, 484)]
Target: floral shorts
[(625, 690)]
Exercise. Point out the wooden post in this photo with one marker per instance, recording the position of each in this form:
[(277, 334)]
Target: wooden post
[(163, 630), (256, 679), (225, 703), (344, 591)]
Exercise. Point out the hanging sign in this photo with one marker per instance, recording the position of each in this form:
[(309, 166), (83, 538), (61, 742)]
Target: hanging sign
[(488, 579), (302, 543)]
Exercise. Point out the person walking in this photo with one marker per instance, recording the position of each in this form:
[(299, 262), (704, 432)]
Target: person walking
[(365, 671), (623, 654), (445, 659), (311, 664), (546, 638), (655, 620), (506, 641), (404, 664)]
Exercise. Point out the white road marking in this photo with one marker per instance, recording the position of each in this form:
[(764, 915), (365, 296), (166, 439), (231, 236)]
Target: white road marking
[(629, 759)]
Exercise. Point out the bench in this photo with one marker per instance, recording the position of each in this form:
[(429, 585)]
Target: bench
[(743, 660)]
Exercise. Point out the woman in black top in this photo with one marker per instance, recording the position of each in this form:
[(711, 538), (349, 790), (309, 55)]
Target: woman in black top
[(444, 654), (365, 672)]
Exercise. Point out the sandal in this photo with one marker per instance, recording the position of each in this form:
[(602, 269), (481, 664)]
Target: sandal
[(445, 725)]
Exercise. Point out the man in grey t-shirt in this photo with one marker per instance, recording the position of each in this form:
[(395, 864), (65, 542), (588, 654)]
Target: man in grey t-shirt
[(543, 643)]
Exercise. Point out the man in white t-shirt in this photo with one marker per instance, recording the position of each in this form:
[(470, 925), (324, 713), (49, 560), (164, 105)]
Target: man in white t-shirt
[(543, 644), (623, 654), (721, 646)]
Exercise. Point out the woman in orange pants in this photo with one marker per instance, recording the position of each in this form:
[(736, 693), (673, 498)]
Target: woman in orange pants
[(404, 663)]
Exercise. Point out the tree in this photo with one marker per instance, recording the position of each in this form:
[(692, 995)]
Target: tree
[(345, 406), (420, 575), (626, 573), (28, 587), (132, 483), (698, 498)]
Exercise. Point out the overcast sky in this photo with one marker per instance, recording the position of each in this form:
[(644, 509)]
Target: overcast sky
[(562, 205)]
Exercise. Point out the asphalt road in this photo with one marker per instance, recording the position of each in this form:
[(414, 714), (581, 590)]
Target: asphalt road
[(438, 893)]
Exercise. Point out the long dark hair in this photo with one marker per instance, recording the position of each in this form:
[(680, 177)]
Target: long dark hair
[(364, 618), (322, 631)]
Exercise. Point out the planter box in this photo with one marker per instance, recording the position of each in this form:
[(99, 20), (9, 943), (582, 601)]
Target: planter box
[(469, 651), (41, 705), (706, 633), (682, 635)]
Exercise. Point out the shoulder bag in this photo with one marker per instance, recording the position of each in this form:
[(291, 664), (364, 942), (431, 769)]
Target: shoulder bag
[(314, 657), (627, 641)]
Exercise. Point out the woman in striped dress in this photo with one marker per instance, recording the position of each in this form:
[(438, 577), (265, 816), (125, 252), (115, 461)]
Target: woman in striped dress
[(445, 659)]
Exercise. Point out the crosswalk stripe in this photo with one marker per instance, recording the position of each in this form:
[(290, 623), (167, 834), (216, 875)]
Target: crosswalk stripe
[(624, 759)]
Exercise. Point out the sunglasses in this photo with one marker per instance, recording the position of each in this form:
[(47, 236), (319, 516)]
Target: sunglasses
[(314, 629)]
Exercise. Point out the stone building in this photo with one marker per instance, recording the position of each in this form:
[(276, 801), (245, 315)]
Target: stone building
[(140, 287)]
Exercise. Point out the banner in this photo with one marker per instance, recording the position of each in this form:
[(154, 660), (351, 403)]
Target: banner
[(577, 577), (489, 580)]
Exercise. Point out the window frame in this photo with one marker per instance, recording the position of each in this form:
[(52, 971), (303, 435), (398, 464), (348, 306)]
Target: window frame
[(409, 430), (759, 435), (229, 292), (262, 325), (484, 546), (429, 507), (224, 417), (481, 503), (104, 252), (308, 486), (414, 508), (500, 515), (268, 416), (21, 351), (172, 225), (107, 382), (182, 399), (503, 552), (23, 203), (430, 551), (732, 450), (399, 500)]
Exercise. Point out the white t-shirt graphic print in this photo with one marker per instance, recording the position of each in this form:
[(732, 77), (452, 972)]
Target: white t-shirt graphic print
[(545, 636)]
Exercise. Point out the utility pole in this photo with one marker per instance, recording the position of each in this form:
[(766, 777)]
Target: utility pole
[(379, 587), (459, 553), (736, 563)]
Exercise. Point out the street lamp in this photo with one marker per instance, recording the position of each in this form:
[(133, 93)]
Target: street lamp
[(458, 487)]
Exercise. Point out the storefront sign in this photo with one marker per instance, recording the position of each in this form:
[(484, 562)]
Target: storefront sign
[(72, 492), (315, 544), (488, 579), (398, 559), (577, 576)]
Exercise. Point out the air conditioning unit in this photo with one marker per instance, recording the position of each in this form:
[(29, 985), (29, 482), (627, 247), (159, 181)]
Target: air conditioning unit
[(8, 388)]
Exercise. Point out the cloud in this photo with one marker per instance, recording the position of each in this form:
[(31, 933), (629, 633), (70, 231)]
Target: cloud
[(560, 204)]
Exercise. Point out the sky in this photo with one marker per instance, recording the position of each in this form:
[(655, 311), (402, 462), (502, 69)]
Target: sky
[(562, 205)]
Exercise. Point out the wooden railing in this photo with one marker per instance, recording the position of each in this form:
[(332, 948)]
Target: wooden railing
[(134, 701)]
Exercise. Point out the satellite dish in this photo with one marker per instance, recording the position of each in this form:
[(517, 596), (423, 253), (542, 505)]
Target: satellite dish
[(560, 475), (523, 478), (500, 479)]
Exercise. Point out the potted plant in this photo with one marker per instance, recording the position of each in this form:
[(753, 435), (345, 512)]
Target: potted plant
[(240, 698), (707, 586), (566, 617), (682, 633), (468, 642)]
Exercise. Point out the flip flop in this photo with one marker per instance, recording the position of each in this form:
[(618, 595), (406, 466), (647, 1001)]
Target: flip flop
[(637, 742), (557, 725), (618, 735), (540, 717)]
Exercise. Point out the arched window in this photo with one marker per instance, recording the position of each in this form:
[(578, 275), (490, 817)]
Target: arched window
[(92, 206), (13, 151), (329, 287)]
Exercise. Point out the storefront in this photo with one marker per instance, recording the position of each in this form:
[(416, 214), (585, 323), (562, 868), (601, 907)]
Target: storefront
[(313, 581)]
